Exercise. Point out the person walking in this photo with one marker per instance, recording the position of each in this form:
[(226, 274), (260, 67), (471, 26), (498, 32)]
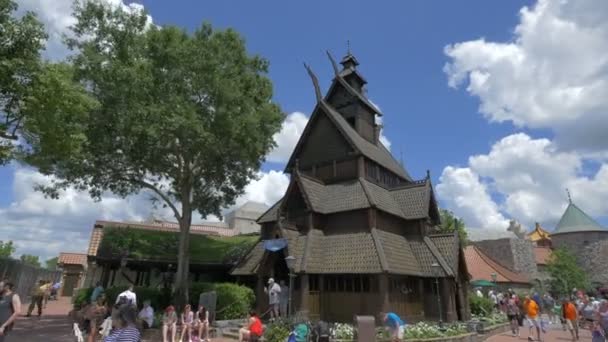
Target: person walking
[(532, 315), (570, 316), (512, 315), (273, 290), (127, 296), (10, 307), (97, 291), (284, 299), (37, 299)]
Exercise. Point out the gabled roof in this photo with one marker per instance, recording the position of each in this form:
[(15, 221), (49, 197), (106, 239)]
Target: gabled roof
[(575, 220), (377, 153), (481, 267), (271, 214), (72, 259), (538, 233)]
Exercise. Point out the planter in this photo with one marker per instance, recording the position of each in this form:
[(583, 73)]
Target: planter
[(495, 329), (468, 337)]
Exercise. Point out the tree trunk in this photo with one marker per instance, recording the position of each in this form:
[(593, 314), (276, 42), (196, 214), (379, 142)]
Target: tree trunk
[(183, 257)]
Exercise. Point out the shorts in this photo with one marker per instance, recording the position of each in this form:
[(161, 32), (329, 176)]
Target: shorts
[(569, 324), (533, 322), (511, 317), (401, 332), (274, 306)]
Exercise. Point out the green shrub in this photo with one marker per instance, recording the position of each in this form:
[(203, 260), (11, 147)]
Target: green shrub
[(82, 297), (233, 301), (277, 332), (481, 306), (159, 299)]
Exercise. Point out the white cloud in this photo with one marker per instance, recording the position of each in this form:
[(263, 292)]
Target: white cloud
[(465, 194), (524, 179), (287, 138), (553, 74), (56, 15)]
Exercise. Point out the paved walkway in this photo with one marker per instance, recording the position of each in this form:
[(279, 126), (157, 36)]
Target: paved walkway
[(555, 334)]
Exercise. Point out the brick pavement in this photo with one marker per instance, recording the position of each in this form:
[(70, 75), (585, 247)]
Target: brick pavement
[(555, 334)]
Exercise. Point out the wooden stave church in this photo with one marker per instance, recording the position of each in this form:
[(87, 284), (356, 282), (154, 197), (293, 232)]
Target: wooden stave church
[(363, 232)]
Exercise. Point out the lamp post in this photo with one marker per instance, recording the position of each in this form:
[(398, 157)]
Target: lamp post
[(436, 268), (291, 264)]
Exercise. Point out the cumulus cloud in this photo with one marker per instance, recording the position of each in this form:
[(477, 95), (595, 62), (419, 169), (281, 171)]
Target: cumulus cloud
[(525, 179), (553, 74), (287, 138)]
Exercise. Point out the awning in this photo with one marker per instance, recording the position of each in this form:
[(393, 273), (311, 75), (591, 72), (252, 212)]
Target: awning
[(275, 245), (482, 283)]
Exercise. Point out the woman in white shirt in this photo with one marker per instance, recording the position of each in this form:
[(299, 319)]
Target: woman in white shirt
[(187, 320)]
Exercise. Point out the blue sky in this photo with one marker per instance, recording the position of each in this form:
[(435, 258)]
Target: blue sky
[(504, 101)]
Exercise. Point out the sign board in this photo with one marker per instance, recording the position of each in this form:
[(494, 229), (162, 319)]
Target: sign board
[(209, 301)]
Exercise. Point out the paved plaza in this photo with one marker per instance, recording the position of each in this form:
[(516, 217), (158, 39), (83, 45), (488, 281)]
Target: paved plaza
[(555, 334)]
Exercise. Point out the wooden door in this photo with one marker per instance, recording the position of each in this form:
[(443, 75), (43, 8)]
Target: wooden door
[(314, 305), (70, 281)]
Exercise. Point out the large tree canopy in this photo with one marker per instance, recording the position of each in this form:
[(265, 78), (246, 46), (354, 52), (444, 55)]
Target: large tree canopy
[(32, 260), (565, 272), (6, 249), (21, 40), (188, 117), (451, 223)]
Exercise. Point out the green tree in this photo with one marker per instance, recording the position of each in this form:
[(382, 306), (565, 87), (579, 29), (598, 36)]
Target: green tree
[(51, 264), (6, 249), (565, 272), (451, 223), (29, 259), (185, 117), (21, 40)]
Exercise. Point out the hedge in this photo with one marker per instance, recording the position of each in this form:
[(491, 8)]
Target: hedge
[(233, 301)]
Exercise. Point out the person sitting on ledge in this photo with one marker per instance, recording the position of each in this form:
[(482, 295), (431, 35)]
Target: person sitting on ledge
[(254, 331)]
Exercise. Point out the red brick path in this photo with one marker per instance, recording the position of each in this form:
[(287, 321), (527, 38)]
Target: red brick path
[(556, 334)]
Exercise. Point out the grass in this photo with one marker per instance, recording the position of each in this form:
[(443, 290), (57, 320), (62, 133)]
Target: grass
[(153, 245)]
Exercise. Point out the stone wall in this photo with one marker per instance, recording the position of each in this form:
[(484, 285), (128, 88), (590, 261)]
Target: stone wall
[(591, 250), (513, 253)]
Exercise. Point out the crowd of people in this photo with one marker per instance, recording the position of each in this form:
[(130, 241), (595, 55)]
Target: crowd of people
[(573, 312), (121, 321)]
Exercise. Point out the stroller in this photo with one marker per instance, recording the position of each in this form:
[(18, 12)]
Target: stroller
[(300, 333)]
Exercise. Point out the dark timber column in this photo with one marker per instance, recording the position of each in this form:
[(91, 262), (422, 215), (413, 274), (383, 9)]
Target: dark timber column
[(383, 290), (321, 297), (304, 292), (259, 293), (361, 167), (447, 300)]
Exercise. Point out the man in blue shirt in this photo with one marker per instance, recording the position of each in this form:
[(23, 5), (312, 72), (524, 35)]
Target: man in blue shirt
[(97, 291), (394, 324)]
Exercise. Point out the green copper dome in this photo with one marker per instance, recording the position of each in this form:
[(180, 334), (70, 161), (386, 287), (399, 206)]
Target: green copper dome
[(575, 220)]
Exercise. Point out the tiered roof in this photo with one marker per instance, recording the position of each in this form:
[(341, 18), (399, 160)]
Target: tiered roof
[(362, 252)]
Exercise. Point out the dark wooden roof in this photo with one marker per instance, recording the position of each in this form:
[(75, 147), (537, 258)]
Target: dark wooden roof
[(378, 153), (372, 252)]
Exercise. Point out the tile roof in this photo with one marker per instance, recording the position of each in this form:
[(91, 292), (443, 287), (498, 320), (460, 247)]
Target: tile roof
[(449, 247), (72, 259), (481, 267), (399, 254), (343, 253), (576, 220), (209, 228), (542, 255)]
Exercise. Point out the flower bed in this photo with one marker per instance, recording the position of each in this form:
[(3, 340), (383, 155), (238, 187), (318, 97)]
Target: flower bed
[(420, 332)]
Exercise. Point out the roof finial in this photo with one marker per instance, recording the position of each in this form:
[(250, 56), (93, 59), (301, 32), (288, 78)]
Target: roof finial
[(348, 47), (428, 174), (569, 197)]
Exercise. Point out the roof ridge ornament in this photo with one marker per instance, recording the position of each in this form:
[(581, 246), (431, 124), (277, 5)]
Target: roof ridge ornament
[(333, 63), (315, 83), (569, 196)]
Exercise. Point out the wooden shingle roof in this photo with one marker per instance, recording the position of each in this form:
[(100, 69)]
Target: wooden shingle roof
[(250, 263)]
